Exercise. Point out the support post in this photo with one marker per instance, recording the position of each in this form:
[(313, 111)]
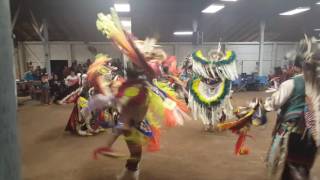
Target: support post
[(261, 45), (17, 63), (22, 59), (46, 47), (43, 34), (223, 47), (9, 151), (274, 56)]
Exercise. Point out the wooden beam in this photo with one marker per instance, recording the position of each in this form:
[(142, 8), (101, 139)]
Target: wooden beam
[(16, 15), (249, 34), (36, 26), (231, 30), (27, 32), (253, 37), (41, 28), (241, 29), (37, 31), (24, 35), (60, 26), (33, 18)]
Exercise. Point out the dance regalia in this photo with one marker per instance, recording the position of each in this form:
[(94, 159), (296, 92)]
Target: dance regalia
[(138, 98), (142, 105), (290, 128), (81, 121), (296, 134), (168, 78), (210, 87), (252, 115)]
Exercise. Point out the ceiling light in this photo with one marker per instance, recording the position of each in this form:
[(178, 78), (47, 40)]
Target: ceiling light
[(229, 0), (316, 29), (183, 33), (318, 3), (213, 8), (122, 7), (126, 23), (295, 11)]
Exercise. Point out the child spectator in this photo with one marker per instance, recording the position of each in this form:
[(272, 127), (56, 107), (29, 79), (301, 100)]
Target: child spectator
[(45, 89)]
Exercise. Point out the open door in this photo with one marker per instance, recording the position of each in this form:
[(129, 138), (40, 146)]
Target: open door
[(57, 67)]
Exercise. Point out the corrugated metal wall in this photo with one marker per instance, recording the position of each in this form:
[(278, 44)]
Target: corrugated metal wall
[(247, 52)]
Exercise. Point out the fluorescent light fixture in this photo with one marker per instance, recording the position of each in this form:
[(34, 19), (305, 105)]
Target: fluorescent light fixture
[(126, 23), (316, 29), (183, 33), (122, 7), (295, 11), (318, 3), (213, 8), (229, 0)]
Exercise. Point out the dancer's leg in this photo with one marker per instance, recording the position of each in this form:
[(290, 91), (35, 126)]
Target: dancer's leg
[(132, 166), (135, 156), (301, 155)]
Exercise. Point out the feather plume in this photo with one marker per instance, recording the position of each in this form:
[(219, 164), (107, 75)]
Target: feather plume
[(110, 26), (312, 85), (99, 75)]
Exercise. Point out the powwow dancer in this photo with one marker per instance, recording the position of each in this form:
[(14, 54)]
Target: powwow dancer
[(142, 105), (78, 123), (297, 131), (210, 88), (293, 150), (81, 121)]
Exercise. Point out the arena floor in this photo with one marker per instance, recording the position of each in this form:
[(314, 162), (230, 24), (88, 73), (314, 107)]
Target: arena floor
[(188, 153)]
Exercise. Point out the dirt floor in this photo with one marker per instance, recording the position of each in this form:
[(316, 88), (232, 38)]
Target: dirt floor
[(188, 153)]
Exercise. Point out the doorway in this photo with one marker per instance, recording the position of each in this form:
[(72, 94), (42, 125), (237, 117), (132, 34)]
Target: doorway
[(57, 67)]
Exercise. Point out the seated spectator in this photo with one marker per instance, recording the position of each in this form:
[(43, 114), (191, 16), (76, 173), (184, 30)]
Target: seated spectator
[(37, 74), (28, 76)]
